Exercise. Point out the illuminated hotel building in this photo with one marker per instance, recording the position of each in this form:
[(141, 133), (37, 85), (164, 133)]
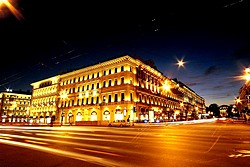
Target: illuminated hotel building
[(244, 97), (14, 106), (124, 88)]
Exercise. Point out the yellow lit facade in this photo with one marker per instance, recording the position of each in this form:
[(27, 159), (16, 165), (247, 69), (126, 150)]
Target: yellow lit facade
[(45, 95), (243, 100), (124, 88), (14, 107)]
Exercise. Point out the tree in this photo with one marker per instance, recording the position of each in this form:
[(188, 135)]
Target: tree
[(215, 109), (229, 111)]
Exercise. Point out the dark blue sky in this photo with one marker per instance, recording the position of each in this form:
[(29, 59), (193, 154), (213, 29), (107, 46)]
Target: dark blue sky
[(212, 37)]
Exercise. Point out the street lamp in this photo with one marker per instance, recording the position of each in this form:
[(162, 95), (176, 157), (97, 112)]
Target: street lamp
[(62, 115), (247, 74), (180, 63), (11, 8), (238, 100)]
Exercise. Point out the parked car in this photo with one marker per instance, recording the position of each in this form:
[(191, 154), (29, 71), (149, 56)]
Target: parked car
[(120, 123)]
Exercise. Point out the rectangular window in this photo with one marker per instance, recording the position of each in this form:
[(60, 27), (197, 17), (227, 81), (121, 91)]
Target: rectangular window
[(92, 86), (122, 97), (97, 85), (131, 97), (109, 98), (97, 100), (110, 82), (116, 97), (122, 80)]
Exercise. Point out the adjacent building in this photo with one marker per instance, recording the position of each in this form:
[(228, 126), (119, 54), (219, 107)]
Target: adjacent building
[(243, 100), (124, 88), (14, 106)]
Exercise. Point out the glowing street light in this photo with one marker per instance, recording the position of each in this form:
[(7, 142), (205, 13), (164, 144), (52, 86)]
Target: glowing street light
[(166, 87), (180, 63), (238, 101), (63, 95), (247, 74), (12, 9)]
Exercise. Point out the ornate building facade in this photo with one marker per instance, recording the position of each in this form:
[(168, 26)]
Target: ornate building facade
[(124, 88), (243, 100), (244, 97), (14, 106)]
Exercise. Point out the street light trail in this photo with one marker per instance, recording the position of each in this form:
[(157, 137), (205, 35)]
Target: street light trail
[(68, 154), (184, 145), (99, 152), (82, 138), (36, 142), (93, 146)]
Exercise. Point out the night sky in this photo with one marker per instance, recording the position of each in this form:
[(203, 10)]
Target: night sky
[(46, 38)]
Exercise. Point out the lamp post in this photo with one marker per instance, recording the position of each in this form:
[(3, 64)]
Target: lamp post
[(62, 115)]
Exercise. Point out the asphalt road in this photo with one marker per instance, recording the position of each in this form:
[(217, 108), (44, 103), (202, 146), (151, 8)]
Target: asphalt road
[(187, 145)]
